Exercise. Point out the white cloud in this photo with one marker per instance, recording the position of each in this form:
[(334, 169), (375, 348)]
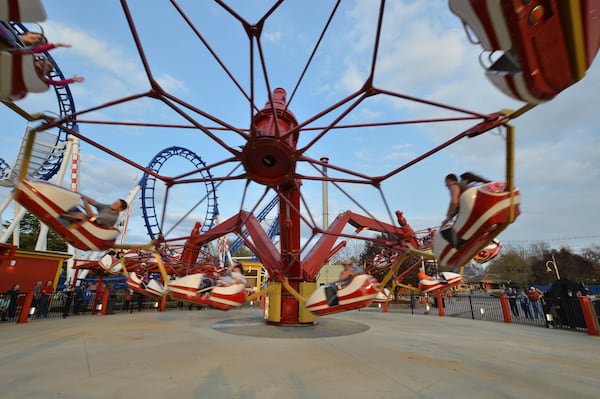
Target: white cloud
[(96, 51), (273, 37), (171, 84)]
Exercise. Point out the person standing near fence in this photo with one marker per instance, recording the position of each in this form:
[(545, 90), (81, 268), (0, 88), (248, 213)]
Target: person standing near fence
[(45, 292), (12, 296), (127, 301), (534, 299), (140, 301), (68, 300), (3, 307), (524, 302), (37, 297), (87, 297), (512, 301), (77, 299)]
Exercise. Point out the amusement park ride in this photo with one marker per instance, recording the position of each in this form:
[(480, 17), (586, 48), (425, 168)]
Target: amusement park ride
[(537, 49)]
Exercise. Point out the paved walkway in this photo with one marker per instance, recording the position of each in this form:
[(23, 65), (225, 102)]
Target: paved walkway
[(368, 354)]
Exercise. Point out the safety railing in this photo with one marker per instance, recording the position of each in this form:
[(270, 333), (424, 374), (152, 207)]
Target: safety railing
[(567, 313), (573, 313)]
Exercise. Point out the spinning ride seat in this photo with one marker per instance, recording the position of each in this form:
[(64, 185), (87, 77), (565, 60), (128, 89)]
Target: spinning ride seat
[(153, 288), (547, 45), (333, 298), (382, 296), (18, 76), (134, 282), (22, 10), (489, 252), (110, 263), (381, 262), (433, 286), (482, 211), (220, 297), (47, 202)]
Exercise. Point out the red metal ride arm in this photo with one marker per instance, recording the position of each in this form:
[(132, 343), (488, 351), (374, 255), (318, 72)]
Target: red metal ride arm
[(260, 242), (321, 250)]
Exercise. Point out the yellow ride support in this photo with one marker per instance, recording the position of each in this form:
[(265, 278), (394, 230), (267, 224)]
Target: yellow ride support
[(572, 20)]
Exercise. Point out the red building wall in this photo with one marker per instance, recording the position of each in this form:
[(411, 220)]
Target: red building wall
[(27, 267)]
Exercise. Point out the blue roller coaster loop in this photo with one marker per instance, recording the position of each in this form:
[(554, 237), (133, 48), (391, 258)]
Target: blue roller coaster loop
[(66, 106), (148, 186)]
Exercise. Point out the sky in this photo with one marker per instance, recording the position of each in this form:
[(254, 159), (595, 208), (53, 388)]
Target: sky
[(424, 53)]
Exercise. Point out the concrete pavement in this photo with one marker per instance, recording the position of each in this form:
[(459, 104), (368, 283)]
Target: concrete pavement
[(366, 354)]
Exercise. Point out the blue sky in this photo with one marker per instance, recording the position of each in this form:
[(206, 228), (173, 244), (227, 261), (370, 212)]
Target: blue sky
[(424, 53)]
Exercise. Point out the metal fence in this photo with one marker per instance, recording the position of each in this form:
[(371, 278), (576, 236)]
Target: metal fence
[(563, 313), (59, 305), (52, 306), (546, 312)]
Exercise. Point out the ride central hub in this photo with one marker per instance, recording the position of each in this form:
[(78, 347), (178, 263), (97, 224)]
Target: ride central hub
[(269, 155), (268, 161)]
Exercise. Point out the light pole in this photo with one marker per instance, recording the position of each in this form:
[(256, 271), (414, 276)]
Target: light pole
[(325, 160), (553, 264)]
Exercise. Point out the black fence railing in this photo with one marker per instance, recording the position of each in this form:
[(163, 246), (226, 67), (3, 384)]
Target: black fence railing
[(565, 312), (546, 312), (59, 305)]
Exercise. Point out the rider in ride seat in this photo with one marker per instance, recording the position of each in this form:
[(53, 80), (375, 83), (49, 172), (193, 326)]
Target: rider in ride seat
[(107, 216), (349, 272)]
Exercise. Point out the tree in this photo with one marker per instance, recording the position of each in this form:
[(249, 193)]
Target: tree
[(592, 254), (569, 266), (527, 266), (513, 265), (538, 249), (372, 249), (241, 252), (29, 229), (352, 250)]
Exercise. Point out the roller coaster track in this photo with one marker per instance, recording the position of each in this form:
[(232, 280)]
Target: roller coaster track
[(48, 152), (148, 191), (272, 231)]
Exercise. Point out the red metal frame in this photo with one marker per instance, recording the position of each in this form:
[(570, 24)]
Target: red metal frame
[(270, 157)]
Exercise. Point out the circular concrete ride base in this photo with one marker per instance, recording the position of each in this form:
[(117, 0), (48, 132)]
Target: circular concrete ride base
[(366, 354), (256, 327)]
